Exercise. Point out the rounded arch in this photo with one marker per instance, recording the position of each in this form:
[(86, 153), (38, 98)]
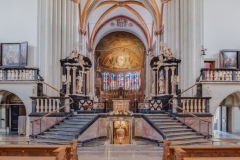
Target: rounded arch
[(143, 35), (107, 31), (89, 9)]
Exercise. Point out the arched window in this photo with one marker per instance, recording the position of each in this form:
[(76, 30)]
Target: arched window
[(105, 76), (128, 81), (121, 80), (136, 81), (112, 81)]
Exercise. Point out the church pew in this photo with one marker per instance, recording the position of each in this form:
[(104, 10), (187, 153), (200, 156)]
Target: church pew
[(39, 150), (179, 152), (58, 154)]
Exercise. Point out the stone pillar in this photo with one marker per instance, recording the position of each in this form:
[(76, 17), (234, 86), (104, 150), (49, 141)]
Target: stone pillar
[(87, 80), (166, 87), (74, 80), (155, 82), (68, 81), (173, 81)]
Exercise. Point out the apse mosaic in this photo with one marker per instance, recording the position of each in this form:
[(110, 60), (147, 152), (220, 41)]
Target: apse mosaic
[(128, 81), (121, 50)]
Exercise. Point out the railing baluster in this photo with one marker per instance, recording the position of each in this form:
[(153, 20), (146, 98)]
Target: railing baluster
[(199, 105), (54, 104), (203, 106), (57, 104), (1, 74), (41, 105), (46, 105), (37, 106), (195, 106), (50, 105)]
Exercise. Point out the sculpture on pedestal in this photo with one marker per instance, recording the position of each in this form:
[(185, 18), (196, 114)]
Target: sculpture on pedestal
[(168, 53), (79, 83), (120, 134), (73, 54), (161, 83)]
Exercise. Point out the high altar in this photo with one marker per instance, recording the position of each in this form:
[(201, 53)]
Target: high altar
[(120, 101)]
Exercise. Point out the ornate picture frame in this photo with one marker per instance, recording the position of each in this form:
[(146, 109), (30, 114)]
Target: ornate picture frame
[(10, 54), (229, 59), (14, 54)]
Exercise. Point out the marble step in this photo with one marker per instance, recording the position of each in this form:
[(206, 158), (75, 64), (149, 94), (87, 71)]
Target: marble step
[(176, 130), (83, 117), (185, 138), (70, 125), (181, 134), (59, 133), (57, 137), (168, 123), (79, 120), (172, 127), (74, 122), (65, 129), (162, 119)]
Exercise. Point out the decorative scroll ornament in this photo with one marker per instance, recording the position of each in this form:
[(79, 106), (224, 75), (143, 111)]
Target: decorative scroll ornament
[(73, 54), (168, 53)]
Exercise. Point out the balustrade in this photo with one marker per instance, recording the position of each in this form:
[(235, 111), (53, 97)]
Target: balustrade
[(194, 104), (217, 74), (45, 105), (19, 74)]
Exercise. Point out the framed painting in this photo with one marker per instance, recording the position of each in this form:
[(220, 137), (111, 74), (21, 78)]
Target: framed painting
[(10, 54), (24, 54), (228, 58)]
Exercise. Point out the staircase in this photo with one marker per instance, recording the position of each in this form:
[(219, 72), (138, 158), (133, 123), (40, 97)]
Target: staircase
[(174, 130), (67, 129)]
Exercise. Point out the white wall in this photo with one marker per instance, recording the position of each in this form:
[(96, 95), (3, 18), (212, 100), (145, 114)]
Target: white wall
[(18, 23), (221, 26)]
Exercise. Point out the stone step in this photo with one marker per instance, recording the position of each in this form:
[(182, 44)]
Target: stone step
[(70, 125), (74, 122), (55, 138), (185, 138), (79, 120), (58, 137), (59, 133), (65, 129), (180, 134), (168, 123), (176, 130), (172, 127)]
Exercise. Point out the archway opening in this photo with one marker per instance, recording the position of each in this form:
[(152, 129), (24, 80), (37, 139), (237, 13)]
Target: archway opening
[(227, 113), (13, 114), (120, 67)]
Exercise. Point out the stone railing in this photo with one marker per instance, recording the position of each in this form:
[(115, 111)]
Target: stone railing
[(47, 104), (193, 104), (220, 74), (19, 74)]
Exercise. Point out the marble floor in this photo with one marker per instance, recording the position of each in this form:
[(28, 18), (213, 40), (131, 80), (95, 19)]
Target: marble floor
[(139, 150)]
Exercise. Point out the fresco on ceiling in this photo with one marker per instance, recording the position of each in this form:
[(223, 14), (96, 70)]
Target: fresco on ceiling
[(121, 50)]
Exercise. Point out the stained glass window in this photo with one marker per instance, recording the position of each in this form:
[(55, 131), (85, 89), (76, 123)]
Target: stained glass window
[(121, 80), (112, 81), (136, 80), (128, 82), (105, 76)]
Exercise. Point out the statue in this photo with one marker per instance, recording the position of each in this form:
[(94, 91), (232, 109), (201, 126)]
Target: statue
[(120, 134), (168, 53), (81, 61), (90, 95), (73, 54), (160, 62), (161, 83), (79, 83)]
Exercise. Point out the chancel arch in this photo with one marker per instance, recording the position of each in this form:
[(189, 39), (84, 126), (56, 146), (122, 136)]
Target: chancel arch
[(122, 54)]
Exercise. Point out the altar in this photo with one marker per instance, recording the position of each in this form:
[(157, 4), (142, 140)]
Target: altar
[(121, 104)]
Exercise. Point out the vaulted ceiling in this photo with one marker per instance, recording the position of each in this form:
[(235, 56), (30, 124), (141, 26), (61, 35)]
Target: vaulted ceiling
[(98, 18)]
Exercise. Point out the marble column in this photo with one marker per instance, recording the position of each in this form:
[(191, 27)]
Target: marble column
[(87, 80), (74, 80), (155, 91), (173, 81), (166, 80), (68, 81)]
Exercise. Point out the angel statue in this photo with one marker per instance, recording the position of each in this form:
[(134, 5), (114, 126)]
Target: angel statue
[(73, 54), (168, 53)]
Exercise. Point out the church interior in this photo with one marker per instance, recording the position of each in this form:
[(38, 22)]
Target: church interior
[(119, 79)]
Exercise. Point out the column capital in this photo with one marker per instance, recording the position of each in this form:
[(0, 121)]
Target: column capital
[(68, 68), (166, 68), (74, 68), (173, 68)]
